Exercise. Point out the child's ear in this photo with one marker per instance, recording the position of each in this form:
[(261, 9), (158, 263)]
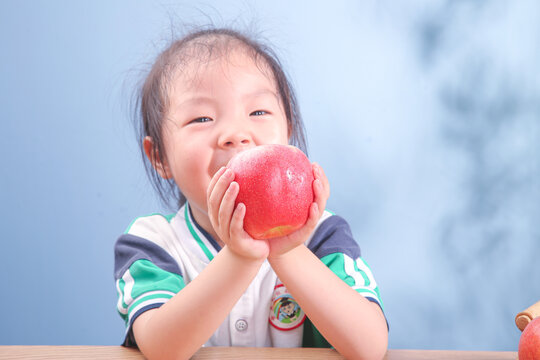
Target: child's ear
[(155, 158)]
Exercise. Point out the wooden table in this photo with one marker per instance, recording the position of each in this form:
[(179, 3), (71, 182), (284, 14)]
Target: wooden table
[(225, 353)]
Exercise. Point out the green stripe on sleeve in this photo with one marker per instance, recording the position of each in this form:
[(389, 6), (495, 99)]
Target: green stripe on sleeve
[(336, 263), (368, 292), (121, 307), (364, 275), (150, 297), (358, 277), (145, 283), (149, 277)]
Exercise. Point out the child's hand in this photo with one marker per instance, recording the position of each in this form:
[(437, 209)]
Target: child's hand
[(227, 221), (321, 192)]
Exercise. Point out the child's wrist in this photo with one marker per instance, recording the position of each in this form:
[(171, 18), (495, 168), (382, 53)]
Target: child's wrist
[(247, 260), (288, 255)]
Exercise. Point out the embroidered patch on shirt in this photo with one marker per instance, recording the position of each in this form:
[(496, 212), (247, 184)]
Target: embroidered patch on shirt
[(285, 313)]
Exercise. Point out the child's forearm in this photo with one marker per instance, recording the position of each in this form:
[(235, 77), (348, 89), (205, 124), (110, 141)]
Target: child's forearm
[(182, 325), (355, 326)]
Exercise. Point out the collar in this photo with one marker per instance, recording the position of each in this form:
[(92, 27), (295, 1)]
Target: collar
[(192, 224)]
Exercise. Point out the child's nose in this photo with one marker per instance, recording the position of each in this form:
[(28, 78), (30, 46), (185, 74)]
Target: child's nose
[(235, 138)]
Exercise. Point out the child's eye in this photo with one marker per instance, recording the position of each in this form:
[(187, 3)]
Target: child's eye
[(258, 113), (201, 119)]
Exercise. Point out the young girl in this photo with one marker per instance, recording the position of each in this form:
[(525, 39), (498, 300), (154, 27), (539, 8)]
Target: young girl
[(196, 278)]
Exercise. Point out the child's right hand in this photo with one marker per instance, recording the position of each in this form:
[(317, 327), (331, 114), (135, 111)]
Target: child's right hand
[(228, 221)]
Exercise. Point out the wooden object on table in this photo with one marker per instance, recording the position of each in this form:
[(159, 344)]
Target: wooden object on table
[(227, 353), (525, 317)]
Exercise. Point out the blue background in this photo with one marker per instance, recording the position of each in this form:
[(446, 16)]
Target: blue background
[(424, 114)]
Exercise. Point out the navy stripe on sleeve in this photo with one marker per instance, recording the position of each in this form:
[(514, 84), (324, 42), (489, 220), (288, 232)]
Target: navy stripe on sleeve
[(334, 236), (130, 248)]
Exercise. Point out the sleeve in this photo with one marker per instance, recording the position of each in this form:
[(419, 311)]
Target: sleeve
[(146, 277), (335, 246)]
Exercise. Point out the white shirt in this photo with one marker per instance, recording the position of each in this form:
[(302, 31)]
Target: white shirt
[(158, 255)]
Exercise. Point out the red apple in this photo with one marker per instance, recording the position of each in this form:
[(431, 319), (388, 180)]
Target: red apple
[(276, 188), (529, 343)]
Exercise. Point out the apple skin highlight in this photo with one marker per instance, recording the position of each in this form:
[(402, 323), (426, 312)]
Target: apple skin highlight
[(276, 186)]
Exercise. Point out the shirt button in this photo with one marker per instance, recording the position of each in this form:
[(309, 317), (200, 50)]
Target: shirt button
[(241, 325)]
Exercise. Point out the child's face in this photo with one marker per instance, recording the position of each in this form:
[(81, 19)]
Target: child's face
[(217, 109)]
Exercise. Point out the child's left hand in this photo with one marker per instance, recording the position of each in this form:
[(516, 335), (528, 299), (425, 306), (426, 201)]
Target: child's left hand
[(321, 191), (228, 219)]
